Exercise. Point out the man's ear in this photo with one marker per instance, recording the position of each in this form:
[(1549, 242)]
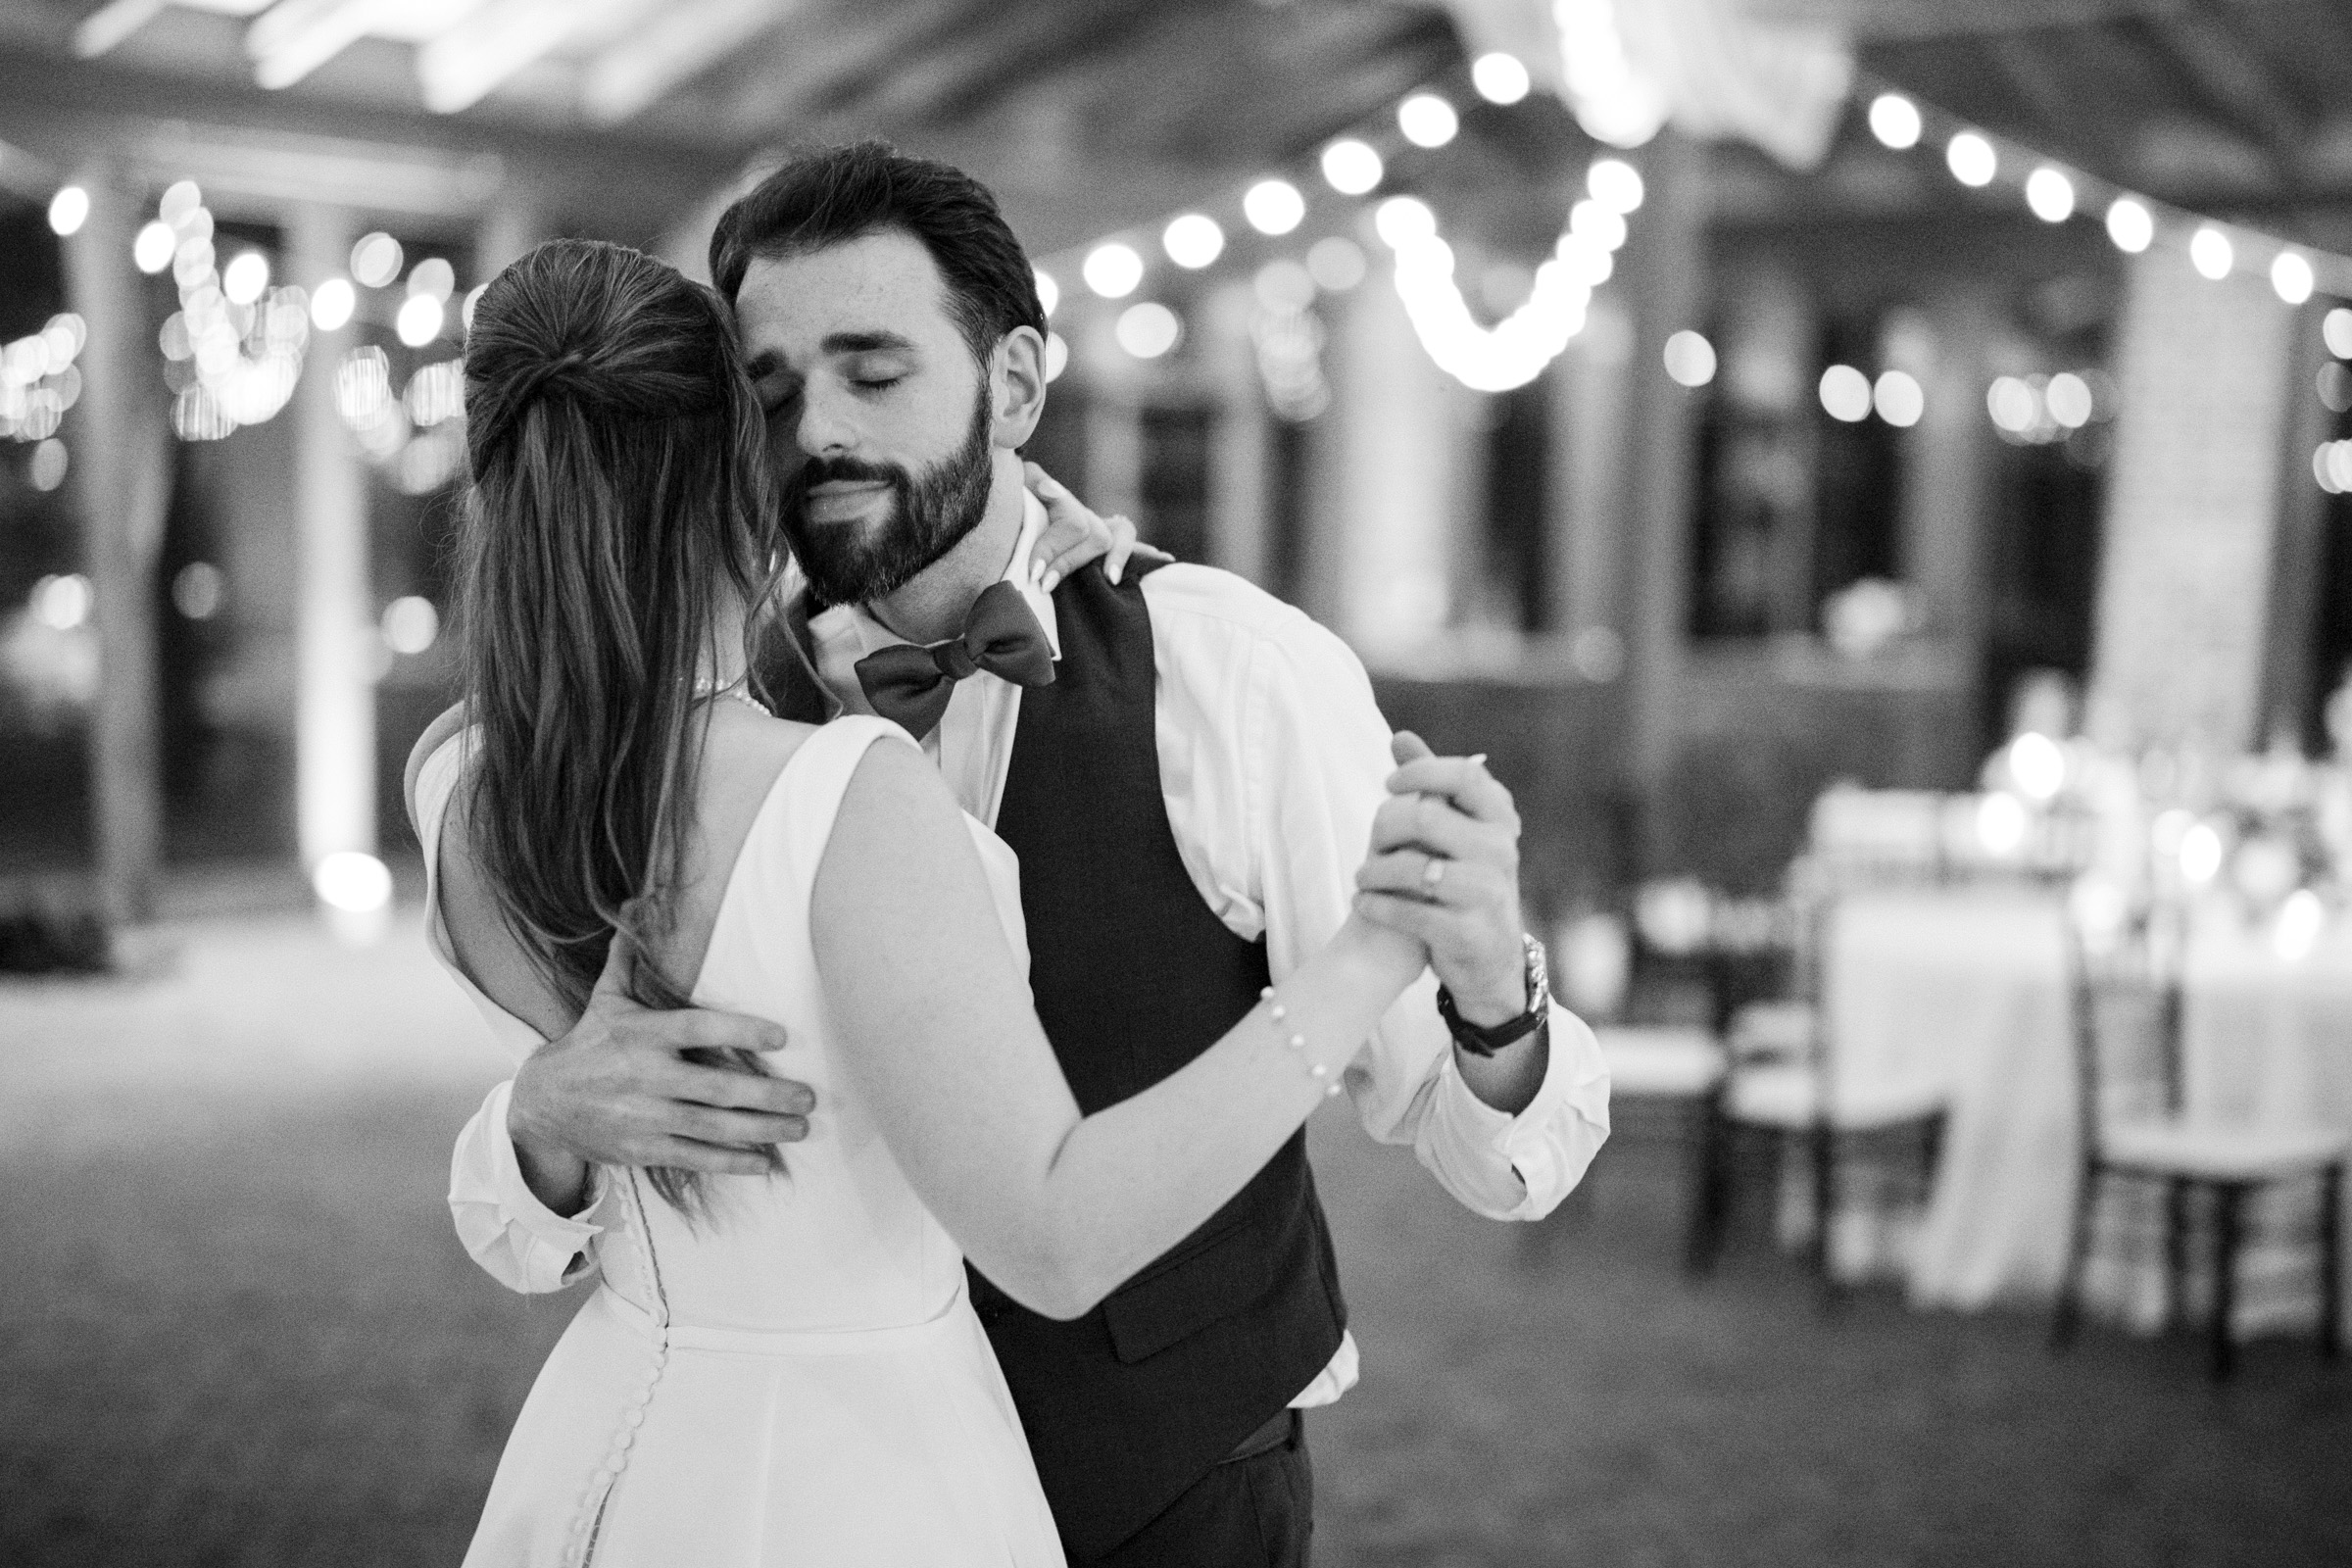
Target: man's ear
[(1016, 386)]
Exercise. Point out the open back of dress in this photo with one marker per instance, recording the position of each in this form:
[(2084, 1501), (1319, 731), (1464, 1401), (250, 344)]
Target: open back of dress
[(797, 1377)]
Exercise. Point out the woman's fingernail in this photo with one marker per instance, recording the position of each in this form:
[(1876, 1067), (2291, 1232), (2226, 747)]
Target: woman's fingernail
[(1051, 581), (1479, 760), (1114, 572)]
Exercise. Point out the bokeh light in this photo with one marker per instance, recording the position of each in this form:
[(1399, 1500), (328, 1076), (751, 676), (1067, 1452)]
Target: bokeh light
[(2050, 194), (333, 304), (152, 250), (1898, 398), (1148, 330), (420, 319), (1845, 393), (1351, 167), (1500, 77), (1971, 159), (1427, 119), (1616, 184), (1194, 240), (2210, 252), (1336, 263), (1895, 120), (68, 210), (1048, 292), (245, 277), (1274, 207), (2129, 224), (1689, 358), (1112, 270), (410, 625), (2290, 276), (375, 260)]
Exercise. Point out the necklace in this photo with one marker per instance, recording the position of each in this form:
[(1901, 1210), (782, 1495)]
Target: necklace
[(733, 689)]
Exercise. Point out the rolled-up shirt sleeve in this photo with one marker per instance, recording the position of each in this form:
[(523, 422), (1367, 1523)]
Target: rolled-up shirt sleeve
[(521, 1241), (1319, 761)]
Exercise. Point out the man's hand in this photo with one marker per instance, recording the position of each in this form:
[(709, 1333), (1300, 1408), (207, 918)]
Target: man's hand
[(1444, 867), (1074, 535), (618, 1091)]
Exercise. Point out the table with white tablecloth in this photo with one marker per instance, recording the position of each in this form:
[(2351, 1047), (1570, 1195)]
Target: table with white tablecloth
[(1970, 985)]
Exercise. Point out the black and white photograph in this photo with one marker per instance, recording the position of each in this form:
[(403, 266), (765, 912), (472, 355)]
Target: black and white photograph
[(1175, 783)]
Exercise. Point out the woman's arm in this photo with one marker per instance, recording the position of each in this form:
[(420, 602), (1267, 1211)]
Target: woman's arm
[(1056, 1209)]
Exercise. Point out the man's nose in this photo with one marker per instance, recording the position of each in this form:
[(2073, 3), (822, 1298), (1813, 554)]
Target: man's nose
[(824, 429)]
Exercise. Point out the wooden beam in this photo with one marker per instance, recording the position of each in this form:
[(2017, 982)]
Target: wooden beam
[(683, 41), (470, 61), (260, 147), (295, 38)]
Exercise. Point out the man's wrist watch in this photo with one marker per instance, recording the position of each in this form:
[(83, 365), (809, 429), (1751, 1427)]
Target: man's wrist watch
[(1486, 1041)]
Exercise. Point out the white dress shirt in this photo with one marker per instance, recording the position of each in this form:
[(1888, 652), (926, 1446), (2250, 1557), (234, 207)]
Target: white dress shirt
[(1273, 759)]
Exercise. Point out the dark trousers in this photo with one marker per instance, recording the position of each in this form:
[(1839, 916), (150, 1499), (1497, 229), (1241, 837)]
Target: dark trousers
[(1256, 1508)]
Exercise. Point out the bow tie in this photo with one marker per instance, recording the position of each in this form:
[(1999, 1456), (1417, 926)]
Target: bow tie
[(910, 685)]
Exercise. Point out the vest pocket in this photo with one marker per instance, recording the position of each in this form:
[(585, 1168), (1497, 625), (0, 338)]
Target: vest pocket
[(1172, 1304)]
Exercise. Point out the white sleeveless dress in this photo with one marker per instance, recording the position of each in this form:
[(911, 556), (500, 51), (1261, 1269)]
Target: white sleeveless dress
[(798, 1379)]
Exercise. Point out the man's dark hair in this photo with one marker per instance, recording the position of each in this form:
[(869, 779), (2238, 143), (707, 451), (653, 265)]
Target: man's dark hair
[(836, 194)]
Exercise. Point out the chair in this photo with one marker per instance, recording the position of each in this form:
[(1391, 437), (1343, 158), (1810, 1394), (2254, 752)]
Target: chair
[(2227, 1163), (1681, 1072), (1782, 1082)]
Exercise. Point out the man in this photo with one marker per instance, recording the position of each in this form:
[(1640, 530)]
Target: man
[(1188, 769)]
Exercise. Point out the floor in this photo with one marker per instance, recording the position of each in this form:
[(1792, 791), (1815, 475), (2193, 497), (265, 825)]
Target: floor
[(236, 1329)]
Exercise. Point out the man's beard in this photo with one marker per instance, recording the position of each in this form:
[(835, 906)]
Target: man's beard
[(857, 562)]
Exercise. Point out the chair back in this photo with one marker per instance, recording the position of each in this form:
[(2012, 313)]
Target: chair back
[(2127, 994)]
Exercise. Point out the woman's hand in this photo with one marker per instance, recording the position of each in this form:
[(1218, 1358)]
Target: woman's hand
[(1445, 871), (1074, 535)]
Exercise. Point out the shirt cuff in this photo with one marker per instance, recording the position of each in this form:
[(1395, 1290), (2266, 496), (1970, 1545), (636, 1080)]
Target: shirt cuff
[(509, 1231), (1549, 1144)]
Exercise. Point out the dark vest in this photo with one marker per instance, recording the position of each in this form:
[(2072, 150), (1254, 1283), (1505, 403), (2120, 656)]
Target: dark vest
[(1134, 976)]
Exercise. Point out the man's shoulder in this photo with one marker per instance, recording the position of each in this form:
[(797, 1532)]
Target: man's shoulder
[(1210, 597)]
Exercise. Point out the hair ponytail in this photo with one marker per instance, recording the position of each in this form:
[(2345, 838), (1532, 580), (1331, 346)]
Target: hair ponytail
[(619, 497)]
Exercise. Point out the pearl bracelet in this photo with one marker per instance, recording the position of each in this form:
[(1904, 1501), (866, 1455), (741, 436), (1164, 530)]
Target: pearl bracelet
[(1280, 1016)]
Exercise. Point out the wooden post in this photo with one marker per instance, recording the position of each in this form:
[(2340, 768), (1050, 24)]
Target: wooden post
[(1664, 269), (2193, 500), (335, 646), (1380, 554), (119, 444)]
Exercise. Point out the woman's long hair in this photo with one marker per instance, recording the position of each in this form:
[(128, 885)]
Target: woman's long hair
[(619, 503)]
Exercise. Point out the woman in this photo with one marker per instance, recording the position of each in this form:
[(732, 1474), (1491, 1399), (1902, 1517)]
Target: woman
[(779, 1368)]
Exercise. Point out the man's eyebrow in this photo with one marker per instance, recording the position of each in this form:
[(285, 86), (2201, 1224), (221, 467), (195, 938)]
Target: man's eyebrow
[(865, 342)]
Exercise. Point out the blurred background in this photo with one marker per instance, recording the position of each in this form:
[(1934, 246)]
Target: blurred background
[(1872, 472)]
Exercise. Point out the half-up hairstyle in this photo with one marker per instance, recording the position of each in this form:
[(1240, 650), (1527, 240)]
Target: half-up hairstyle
[(619, 500)]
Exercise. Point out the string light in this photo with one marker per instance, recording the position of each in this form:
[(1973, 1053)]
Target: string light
[(2050, 194), (1148, 330), (2336, 329), (331, 306), (1898, 398), (2130, 226), (1616, 184), (1351, 167), (1689, 358), (2290, 276), (68, 210), (1112, 270), (1895, 120), (1971, 159), (1427, 121), (1274, 207), (152, 251), (1194, 240), (1845, 393), (2210, 252), (1499, 79)]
